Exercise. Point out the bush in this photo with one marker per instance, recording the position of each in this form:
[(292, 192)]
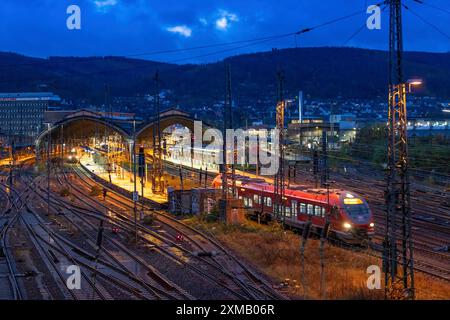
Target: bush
[(95, 191), (149, 219), (212, 217)]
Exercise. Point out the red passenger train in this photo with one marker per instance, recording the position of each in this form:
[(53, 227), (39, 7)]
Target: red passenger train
[(350, 217)]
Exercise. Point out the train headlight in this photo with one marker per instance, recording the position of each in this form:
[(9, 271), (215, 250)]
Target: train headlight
[(347, 225), (371, 224)]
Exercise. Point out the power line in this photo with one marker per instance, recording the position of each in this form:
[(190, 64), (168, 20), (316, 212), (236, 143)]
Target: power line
[(436, 28), (140, 67), (153, 53), (361, 28), (249, 42), (432, 6)]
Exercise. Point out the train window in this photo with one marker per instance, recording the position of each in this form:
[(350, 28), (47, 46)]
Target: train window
[(287, 211), (356, 210), (250, 202), (269, 201), (294, 206), (245, 202), (310, 209), (255, 198), (302, 208), (323, 212), (317, 211)]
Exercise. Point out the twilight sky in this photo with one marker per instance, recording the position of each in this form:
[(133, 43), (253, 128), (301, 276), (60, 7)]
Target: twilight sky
[(129, 27)]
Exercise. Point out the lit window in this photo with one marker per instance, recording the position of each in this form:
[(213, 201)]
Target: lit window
[(288, 211), (302, 208), (317, 211), (294, 206)]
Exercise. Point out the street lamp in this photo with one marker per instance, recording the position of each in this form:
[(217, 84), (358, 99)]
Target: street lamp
[(49, 145), (414, 83)]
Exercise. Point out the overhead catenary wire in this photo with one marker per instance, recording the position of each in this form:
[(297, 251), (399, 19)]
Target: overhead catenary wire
[(432, 25), (423, 2), (361, 28)]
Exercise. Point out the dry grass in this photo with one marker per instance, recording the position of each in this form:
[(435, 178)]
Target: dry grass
[(276, 253)]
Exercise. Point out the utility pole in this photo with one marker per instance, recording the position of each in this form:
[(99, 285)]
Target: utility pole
[(11, 162), (398, 284), (224, 151), (49, 145), (323, 237), (11, 149), (141, 167), (135, 193), (315, 163), (99, 243), (106, 132), (279, 177), (229, 114), (324, 164), (157, 156), (226, 123)]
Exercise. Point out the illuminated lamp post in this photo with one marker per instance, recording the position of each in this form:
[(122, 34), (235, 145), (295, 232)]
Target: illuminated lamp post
[(398, 198)]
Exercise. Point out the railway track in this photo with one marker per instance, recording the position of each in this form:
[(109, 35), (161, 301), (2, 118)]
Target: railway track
[(58, 251), (10, 288), (426, 236), (431, 234), (243, 279), (85, 252), (55, 238)]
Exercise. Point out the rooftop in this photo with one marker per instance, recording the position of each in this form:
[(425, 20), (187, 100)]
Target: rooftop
[(27, 96)]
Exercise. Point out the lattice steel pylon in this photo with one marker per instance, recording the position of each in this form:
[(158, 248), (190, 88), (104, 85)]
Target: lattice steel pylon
[(229, 117), (224, 168), (279, 208), (398, 284), (157, 170)]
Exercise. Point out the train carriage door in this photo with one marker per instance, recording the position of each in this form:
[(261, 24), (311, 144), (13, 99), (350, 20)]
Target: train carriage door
[(294, 208), (287, 210), (256, 199)]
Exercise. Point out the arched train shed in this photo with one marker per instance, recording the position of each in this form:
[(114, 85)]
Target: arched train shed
[(82, 125)]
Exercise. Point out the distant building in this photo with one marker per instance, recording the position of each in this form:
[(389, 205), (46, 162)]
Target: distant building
[(428, 126), (21, 114), (344, 121), (309, 133)]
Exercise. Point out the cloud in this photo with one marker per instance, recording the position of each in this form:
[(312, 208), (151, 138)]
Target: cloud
[(105, 3), (182, 30), (225, 19), (203, 21)]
